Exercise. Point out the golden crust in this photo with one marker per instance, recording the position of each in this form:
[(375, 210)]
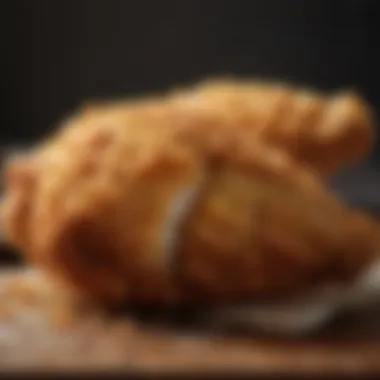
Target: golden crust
[(326, 132), (101, 196), (155, 200), (254, 237)]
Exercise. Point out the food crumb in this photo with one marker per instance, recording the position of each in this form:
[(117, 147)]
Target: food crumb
[(5, 314), (23, 290), (63, 318), (124, 328)]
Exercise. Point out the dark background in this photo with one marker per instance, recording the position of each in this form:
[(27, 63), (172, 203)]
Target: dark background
[(55, 54)]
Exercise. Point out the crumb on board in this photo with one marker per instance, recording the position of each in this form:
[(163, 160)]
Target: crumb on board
[(124, 328), (29, 292), (63, 318), (24, 291), (5, 314)]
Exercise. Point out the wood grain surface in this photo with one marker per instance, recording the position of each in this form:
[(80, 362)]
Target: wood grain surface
[(36, 336)]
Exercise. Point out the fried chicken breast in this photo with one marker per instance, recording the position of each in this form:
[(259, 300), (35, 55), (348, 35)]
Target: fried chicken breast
[(157, 201)]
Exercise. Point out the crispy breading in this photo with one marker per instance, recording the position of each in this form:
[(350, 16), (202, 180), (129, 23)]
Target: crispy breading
[(326, 131), (171, 200)]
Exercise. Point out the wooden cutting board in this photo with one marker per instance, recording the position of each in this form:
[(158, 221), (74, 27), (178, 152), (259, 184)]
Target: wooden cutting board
[(35, 337)]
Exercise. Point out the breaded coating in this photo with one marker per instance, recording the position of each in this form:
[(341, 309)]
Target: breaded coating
[(156, 201), (328, 132)]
